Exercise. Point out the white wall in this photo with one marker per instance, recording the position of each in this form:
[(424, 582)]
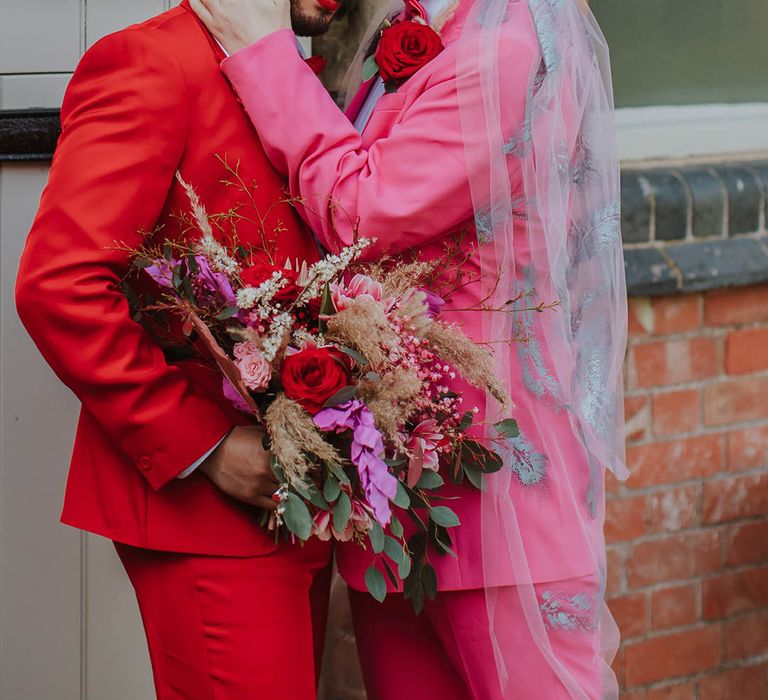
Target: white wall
[(69, 625)]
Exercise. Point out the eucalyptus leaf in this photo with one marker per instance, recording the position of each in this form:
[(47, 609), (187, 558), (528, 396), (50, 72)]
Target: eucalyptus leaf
[(466, 420), (442, 515), (395, 526), (341, 396), (339, 473), (508, 428), (373, 376), (376, 535), (342, 509), (370, 68), (297, 517), (429, 581), (229, 312), (401, 497), (355, 355), (317, 499), (331, 488), (375, 583), (404, 567), (429, 480), (194, 268), (390, 574), (474, 476), (393, 550)]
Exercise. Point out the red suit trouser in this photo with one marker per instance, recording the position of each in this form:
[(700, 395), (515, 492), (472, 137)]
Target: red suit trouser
[(226, 628), (446, 652)]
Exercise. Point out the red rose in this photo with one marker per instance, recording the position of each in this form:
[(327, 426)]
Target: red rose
[(312, 376), (317, 64), (261, 272), (405, 47)]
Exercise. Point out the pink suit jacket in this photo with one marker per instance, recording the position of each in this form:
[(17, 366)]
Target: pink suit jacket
[(404, 181)]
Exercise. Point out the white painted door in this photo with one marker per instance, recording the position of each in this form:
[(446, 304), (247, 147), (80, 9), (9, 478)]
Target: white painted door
[(69, 625)]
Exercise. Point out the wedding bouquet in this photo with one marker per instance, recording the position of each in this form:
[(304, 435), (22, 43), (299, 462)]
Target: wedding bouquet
[(348, 367)]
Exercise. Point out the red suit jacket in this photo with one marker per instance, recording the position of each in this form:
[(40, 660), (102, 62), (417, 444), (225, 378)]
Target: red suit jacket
[(143, 103)]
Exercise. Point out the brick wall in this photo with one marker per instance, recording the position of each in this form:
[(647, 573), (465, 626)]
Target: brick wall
[(688, 533)]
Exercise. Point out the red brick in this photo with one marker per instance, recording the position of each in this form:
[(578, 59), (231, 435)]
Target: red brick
[(676, 412), (674, 508), (616, 565), (747, 544), (637, 417), (633, 695), (631, 614), (748, 448), (745, 683), (674, 606), (725, 307), (735, 497), (625, 519), (639, 317), (674, 460), (747, 636), (736, 400), (679, 691), (662, 363), (618, 666), (734, 593), (671, 655), (746, 351), (673, 557), (676, 314)]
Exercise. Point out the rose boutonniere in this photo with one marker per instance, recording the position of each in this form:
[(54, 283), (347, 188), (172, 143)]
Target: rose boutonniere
[(317, 64), (404, 47)]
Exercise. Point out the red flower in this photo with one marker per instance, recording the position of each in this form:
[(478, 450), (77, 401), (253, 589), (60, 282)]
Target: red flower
[(405, 47), (317, 64), (313, 376), (262, 271)]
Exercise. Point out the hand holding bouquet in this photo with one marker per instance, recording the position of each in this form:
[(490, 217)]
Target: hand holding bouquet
[(348, 367)]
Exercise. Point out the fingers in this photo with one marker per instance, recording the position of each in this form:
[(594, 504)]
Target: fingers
[(202, 9)]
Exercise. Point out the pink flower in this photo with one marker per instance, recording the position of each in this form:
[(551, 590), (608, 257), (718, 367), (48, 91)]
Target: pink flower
[(422, 448), (359, 522), (358, 286), (254, 368)]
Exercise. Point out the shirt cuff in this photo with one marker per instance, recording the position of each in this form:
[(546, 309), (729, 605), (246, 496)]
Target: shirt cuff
[(193, 467)]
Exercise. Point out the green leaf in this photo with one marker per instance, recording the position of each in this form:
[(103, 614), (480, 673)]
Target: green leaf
[(442, 515), (404, 567), (395, 462), (141, 263), (194, 268), (401, 497), (476, 455), (341, 512), (390, 573), (429, 581), (331, 488), (317, 499), (507, 428), (341, 396), (229, 312), (393, 549), (355, 355), (395, 526), (277, 470), (167, 252), (373, 376), (339, 473), (375, 583), (370, 68), (376, 535), (296, 516), (466, 420), (326, 307), (429, 480), (475, 476)]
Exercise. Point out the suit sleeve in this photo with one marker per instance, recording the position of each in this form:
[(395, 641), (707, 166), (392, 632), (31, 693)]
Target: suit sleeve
[(407, 188), (124, 124)]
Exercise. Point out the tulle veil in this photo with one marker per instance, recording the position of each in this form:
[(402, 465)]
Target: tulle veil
[(561, 229)]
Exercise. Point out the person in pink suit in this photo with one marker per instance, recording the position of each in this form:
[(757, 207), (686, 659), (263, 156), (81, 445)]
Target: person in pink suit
[(505, 133)]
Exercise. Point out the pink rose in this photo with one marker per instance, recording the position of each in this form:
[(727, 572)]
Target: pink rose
[(254, 368), (358, 286)]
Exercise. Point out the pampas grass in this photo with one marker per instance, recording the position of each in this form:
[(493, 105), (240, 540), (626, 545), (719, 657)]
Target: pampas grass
[(472, 361), (294, 435), (363, 325), (392, 400)]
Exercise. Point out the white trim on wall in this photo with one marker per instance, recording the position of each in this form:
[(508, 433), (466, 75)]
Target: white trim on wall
[(691, 130)]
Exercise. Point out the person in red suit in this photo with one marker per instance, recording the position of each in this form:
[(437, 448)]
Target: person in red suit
[(162, 464)]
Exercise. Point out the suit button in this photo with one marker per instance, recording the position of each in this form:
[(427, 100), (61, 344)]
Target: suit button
[(145, 463)]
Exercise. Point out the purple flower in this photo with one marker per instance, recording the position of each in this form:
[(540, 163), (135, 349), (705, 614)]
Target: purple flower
[(367, 453), (435, 303), (162, 271), (212, 286), (233, 396)]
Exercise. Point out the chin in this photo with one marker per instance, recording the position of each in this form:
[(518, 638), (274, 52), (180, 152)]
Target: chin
[(312, 17)]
